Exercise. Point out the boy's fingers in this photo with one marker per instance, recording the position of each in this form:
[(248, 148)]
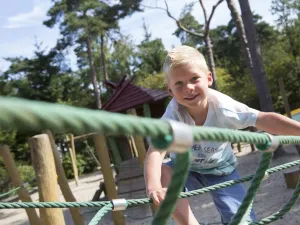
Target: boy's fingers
[(154, 198), (161, 196)]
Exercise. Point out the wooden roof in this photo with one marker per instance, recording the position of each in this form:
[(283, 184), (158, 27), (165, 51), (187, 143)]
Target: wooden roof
[(128, 95)]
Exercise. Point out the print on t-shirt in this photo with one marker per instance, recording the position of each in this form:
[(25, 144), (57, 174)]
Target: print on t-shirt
[(206, 154)]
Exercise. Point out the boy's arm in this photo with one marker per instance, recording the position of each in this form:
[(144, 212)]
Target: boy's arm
[(152, 169), (277, 124)]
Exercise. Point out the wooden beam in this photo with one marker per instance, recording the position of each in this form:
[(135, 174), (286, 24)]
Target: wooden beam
[(44, 166), (139, 141), (16, 180), (63, 182), (101, 147), (71, 148)]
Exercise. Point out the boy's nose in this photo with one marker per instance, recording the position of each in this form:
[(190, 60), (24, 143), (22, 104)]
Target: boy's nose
[(189, 87)]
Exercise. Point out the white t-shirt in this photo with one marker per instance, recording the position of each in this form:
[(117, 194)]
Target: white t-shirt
[(211, 157)]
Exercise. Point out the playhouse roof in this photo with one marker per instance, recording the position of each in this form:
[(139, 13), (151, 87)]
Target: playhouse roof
[(128, 95)]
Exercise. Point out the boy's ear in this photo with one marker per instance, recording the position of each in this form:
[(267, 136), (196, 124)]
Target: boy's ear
[(210, 79), (169, 90)]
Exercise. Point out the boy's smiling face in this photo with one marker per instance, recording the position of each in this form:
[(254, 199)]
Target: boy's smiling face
[(189, 84)]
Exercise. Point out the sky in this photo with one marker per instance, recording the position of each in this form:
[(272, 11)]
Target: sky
[(21, 24)]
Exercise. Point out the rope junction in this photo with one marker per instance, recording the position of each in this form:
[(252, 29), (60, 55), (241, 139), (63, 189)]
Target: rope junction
[(36, 116)]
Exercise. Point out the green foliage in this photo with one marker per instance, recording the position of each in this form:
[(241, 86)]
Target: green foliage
[(4, 179), (150, 56), (156, 81), (189, 22), (121, 59), (27, 174), (67, 164), (85, 164), (240, 88), (45, 77)]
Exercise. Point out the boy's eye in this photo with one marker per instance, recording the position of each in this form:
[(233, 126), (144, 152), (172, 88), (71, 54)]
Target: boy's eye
[(178, 83), (195, 78)]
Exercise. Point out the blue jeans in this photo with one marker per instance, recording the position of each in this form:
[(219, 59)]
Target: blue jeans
[(227, 200)]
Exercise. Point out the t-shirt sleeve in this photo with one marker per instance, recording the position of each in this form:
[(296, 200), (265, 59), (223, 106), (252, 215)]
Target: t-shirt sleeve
[(236, 115), (172, 113)]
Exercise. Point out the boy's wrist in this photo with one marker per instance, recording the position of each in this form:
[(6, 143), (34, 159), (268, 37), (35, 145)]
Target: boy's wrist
[(151, 188)]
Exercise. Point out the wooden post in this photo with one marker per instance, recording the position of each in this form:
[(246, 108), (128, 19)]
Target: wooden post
[(252, 147), (115, 153), (73, 157), (291, 178), (134, 151), (139, 142), (44, 166), (284, 97), (298, 149), (63, 182), (101, 147), (239, 146), (147, 110), (90, 151), (13, 173)]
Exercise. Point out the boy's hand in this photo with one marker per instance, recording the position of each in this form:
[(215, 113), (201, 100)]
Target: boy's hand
[(158, 195)]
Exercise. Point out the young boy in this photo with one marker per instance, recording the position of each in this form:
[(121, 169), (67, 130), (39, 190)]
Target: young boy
[(188, 80)]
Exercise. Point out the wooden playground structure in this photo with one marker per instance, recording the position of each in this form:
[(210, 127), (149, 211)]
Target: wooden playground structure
[(127, 161)]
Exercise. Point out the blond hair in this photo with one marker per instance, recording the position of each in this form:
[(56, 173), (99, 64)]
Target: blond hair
[(183, 55)]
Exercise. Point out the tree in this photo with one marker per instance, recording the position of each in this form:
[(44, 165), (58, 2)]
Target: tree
[(44, 77), (85, 22), (149, 56), (202, 35), (249, 39), (121, 59)]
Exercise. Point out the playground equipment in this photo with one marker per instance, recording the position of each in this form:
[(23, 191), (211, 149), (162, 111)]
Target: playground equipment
[(59, 118)]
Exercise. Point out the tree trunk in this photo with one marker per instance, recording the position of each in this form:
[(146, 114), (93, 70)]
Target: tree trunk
[(242, 35), (252, 54), (211, 60), (103, 61), (93, 74), (259, 73)]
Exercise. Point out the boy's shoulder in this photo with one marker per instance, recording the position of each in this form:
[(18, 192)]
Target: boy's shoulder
[(219, 99)]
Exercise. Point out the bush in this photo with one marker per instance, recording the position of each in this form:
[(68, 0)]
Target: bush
[(67, 164), (27, 174)]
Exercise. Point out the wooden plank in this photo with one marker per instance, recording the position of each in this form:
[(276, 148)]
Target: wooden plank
[(131, 185), (101, 147), (15, 177), (44, 166), (130, 168), (291, 178)]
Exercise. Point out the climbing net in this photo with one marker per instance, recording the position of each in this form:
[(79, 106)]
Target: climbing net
[(36, 116)]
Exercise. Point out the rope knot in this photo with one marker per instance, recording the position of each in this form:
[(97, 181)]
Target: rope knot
[(180, 140), (270, 146)]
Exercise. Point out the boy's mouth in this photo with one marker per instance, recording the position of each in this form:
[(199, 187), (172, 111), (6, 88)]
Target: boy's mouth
[(190, 98)]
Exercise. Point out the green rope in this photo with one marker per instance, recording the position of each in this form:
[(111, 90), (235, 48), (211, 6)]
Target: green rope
[(18, 205), (100, 214), (283, 210), (61, 118), (13, 191), (233, 182), (176, 186), (141, 201), (263, 166)]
